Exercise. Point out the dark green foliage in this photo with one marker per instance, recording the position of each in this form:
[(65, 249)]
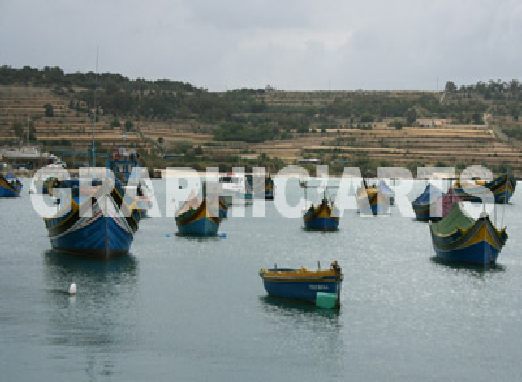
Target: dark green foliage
[(234, 131), (513, 132), (115, 122), (411, 116), (450, 87), (243, 115), (49, 110)]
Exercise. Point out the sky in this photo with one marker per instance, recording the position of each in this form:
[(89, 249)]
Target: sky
[(289, 44)]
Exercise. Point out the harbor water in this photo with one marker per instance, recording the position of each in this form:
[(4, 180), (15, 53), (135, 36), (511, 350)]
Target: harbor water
[(195, 309)]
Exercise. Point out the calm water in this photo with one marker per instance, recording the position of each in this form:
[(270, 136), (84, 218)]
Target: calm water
[(189, 310)]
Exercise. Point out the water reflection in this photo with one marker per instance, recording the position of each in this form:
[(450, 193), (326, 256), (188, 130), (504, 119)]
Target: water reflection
[(99, 319), (478, 271), (293, 308), (303, 330)]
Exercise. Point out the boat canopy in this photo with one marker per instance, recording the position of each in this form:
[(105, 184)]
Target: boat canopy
[(456, 219)]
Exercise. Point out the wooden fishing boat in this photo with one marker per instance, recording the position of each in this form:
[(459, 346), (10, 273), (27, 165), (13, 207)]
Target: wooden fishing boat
[(303, 284), (121, 163), (195, 219), (386, 192), (269, 188), (422, 204), (459, 238), (321, 218), (10, 186), (99, 235), (223, 208), (371, 196), (502, 187)]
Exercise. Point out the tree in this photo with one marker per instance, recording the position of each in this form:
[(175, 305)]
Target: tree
[(49, 110), (128, 125), (450, 87), (115, 122), (411, 116), (476, 119)]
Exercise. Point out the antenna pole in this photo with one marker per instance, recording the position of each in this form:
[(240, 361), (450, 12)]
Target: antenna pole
[(93, 148)]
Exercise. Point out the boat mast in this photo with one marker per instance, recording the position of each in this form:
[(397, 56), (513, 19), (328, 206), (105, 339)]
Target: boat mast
[(95, 117)]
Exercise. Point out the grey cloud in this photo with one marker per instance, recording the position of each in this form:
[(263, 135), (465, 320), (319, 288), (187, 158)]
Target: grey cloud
[(376, 44)]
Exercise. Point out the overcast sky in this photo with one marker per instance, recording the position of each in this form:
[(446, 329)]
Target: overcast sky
[(290, 44)]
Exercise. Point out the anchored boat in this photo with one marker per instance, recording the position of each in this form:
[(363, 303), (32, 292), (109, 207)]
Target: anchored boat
[(422, 204), (121, 164), (460, 238), (10, 186), (386, 192), (321, 218), (269, 188), (223, 208), (194, 219), (303, 284), (502, 187), (378, 201), (104, 234)]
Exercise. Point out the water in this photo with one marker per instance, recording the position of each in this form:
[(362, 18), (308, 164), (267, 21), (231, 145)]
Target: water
[(195, 310)]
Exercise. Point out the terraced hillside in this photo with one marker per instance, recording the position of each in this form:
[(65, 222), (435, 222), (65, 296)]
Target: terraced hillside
[(332, 127), (37, 114)]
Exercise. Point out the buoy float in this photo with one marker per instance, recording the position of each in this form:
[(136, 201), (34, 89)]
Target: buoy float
[(72, 288)]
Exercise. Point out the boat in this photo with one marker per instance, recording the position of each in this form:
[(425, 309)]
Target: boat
[(422, 204), (234, 186), (303, 284), (121, 163), (223, 208), (386, 192), (10, 186), (249, 187), (378, 202), (321, 218), (101, 235), (194, 219), (449, 199), (269, 188), (461, 239), (502, 187)]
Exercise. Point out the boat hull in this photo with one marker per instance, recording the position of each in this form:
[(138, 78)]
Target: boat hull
[(322, 224), (98, 235), (301, 290), (103, 237), (422, 212), (481, 253), (9, 192), (9, 188), (204, 226)]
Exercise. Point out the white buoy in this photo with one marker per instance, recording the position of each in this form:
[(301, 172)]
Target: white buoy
[(72, 289)]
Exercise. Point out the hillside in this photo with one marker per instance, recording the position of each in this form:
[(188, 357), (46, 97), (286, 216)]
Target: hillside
[(173, 123)]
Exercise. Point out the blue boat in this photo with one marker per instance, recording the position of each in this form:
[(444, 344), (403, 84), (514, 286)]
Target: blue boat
[(10, 186), (303, 284), (371, 196), (386, 192), (97, 236), (502, 187), (195, 220), (223, 208), (461, 239), (321, 218), (269, 188), (121, 164), (422, 204)]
